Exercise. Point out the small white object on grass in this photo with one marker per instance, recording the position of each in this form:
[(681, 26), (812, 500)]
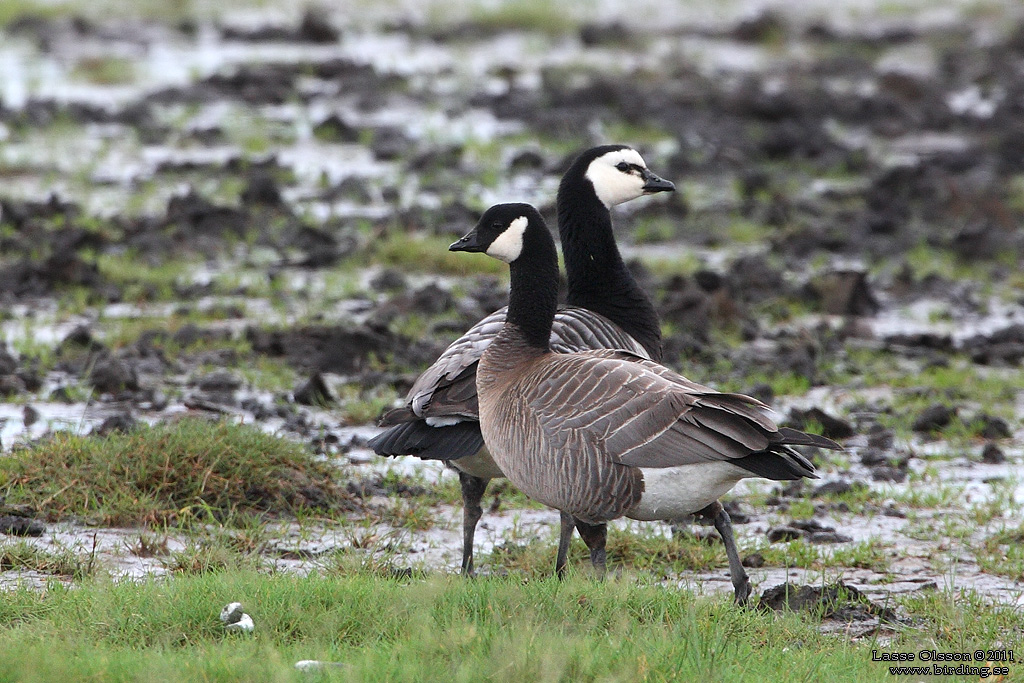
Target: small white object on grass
[(232, 613), (235, 619), (315, 664), (244, 624)]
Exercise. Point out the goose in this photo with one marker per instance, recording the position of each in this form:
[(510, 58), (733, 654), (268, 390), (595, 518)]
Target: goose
[(603, 434), (606, 308)]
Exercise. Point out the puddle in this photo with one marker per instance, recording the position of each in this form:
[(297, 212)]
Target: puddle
[(77, 418)]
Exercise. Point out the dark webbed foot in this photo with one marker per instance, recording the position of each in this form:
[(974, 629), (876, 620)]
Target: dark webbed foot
[(595, 536)]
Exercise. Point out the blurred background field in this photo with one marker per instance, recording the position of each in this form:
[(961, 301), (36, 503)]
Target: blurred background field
[(241, 211)]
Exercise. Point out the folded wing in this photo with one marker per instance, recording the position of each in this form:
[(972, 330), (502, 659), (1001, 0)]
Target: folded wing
[(444, 395), (644, 415)]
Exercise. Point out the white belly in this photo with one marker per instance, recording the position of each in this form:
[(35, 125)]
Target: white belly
[(673, 492), (480, 464)]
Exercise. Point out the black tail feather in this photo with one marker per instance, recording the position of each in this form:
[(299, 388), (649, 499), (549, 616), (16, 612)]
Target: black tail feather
[(450, 442), (794, 437), (778, 464)]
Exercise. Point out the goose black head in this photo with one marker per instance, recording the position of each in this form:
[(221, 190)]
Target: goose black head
[(619, 174), (500, 231)]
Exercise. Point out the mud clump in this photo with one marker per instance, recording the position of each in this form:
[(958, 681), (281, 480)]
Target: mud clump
[(57, 272), (314, 392), (21, 526), (934, 418), (341, 349), (111, 375), (122, 423), (811, 530), (838, 601), (992, 454), (314, 27), (832, 427)]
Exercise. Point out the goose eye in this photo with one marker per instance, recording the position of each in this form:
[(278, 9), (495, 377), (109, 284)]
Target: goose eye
[(496, 225), (622, 166)]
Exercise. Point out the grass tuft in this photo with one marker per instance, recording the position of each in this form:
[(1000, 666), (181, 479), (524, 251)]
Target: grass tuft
[(193, 470), (1002, 553), (25, 556)]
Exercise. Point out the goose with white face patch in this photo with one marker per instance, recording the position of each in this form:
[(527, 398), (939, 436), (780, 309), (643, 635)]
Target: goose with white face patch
[(620, 176), (603, 434), (509, 243), (606, 309)]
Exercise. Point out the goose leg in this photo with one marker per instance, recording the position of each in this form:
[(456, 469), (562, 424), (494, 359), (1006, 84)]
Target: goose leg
[(595, 536), (564, 539), (740, 581), (472, 493)]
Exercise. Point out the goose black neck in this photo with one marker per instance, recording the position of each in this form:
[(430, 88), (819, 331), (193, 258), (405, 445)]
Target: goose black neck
[(533, 298), (597, 276)]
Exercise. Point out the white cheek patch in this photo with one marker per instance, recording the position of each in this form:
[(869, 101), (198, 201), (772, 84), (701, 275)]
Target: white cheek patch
[(508, 245), (612, 185)]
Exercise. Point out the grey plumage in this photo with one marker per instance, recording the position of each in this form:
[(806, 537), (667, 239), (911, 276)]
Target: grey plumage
[(607, 309), (575, 431), (447, 389), (602, 434)]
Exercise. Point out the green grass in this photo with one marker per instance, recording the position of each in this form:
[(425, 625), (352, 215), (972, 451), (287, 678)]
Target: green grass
[(971, 388), (268, 374), (654, 230), (930, 493), (648, 551), (685, 263), (1003, 553), (98, 10), (430, 254), (825, 558), (802, 509), (526, 15), (637, 134), (960, 377), (360, 405), (105, 70), (412, 516), (925, 260), (446, 628), (742, 231), (724, 376), (193, 470), (121, 332), (218, 553), (12, 10), (661, 557), (22, 555), (142, 281)]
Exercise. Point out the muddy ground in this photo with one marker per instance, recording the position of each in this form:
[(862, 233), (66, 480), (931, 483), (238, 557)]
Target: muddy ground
[(247, 215)]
